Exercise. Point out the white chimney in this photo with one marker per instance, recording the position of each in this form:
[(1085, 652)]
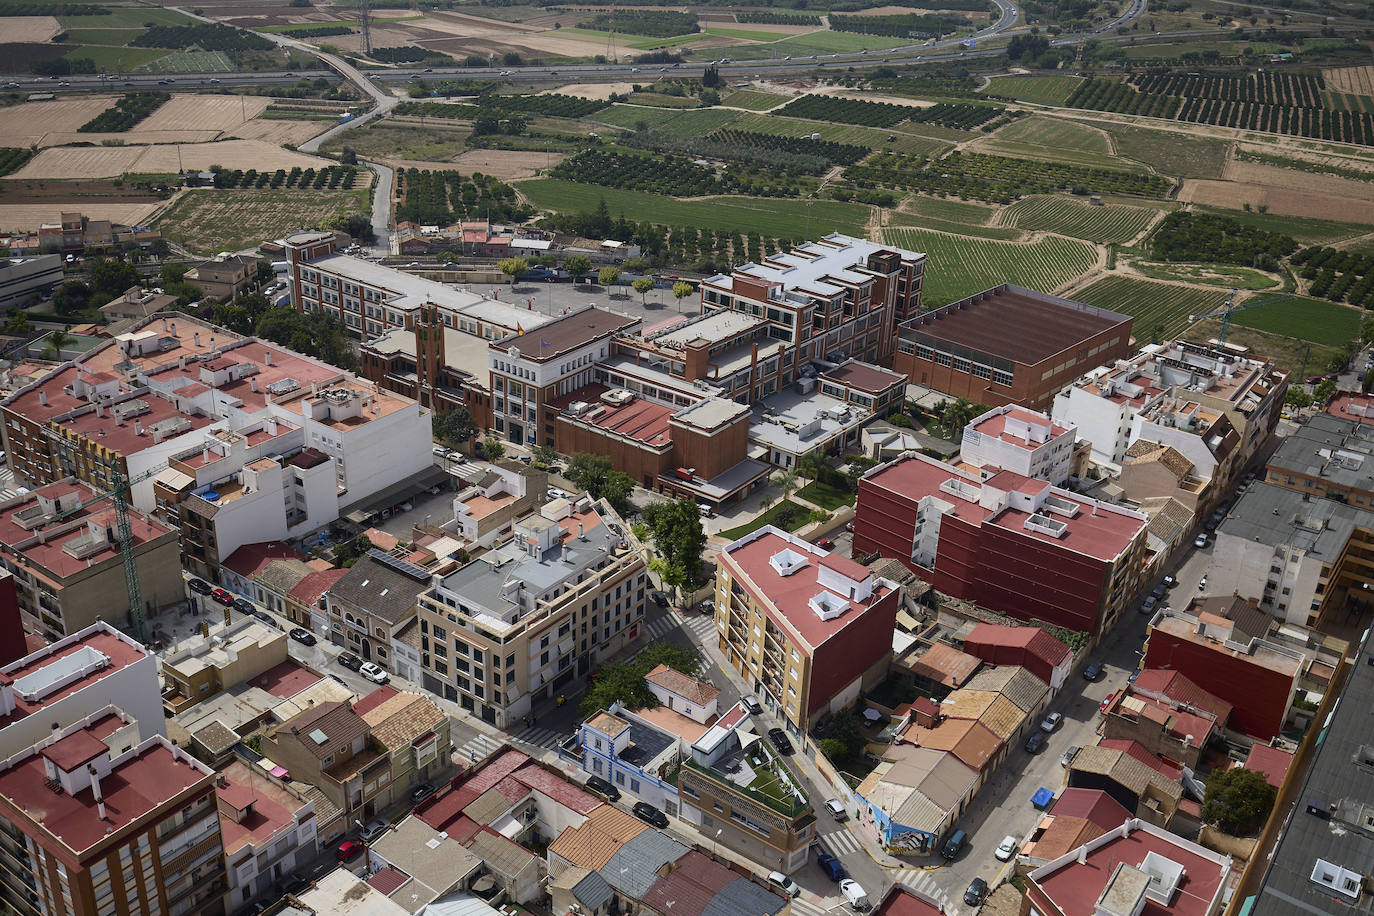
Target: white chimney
[(267, 357), (174, 327), (138, 427), (196, 338), (43, 397), (95, 790)]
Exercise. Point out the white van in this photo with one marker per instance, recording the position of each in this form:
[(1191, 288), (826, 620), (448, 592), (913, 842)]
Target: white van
[(853, 892)]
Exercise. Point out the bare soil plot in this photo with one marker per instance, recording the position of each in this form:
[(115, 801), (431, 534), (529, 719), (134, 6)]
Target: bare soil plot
[(277, 131), (601, 91), (1355, 80), (1293, 179), (482, 35), (1233, 195), (30, 123), (203, 112), (112, 161), (29, 28), (16, 217), (505, 164), (208, 221)]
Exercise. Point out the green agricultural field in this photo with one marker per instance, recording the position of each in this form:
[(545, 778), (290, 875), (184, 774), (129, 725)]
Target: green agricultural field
[(663, 100), (1056, 155), (1163, 306), (635, 42), (1060, 133), (841, 133), (821, 42), (744, 34), (1103, 224), (115, 38), (1170, 152), (208, 221), (693, 122), (1307, 231), (960, 267), (117, 59), (774, 217), (955, 211), (193, 62), (754, 100), (126, 18), (1047, 90), (1325, 323), (1209, 274)]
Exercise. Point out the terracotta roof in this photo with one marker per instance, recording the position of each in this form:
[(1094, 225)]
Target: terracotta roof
[(1178, 687), (388, 880), (592, 844), (946, 665), (403, 718), (1171, 458), (1093, 805), (1061, 834), (608, 724), (685, 686), (1270, 761)]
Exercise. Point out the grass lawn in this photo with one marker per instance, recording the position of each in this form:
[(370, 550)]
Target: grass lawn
[(960, 266), (1169, 152), (776, 217), (1321, 322), (754, 100), (1047, 90), (209, 221), (1296, 356), (115, 38), (767, 518), (117, 59), (826, 496)]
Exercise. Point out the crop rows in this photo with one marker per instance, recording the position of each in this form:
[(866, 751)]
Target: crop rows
[(1110, 95), (768, 17), (906, 25), (441, 198), (554, 105), (405, 54), (653, 23), (12, 158), (998, 178), (127, 112), (214, 37), (958, 115), (1152, 304), (319, 31), (831, 151), (676, 176), (1081, 221), (961, 266), (846, 111), (1290, 90), (333, 177), (1340, 276), (713, 147)]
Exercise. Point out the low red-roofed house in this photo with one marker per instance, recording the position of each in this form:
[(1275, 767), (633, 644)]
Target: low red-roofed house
[(1030, 647), (1273, 762), (905, 901)]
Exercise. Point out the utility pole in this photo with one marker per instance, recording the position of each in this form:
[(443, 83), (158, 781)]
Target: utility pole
[(612, 54), (364, 16)]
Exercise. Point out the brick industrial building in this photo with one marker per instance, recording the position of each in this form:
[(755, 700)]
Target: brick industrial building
[(1009, 345), (1010, 543)]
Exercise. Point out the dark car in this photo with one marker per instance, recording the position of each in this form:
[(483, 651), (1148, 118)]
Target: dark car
[(751, 705), (244, 606), (296, 886), (421, 792), (1035, 743), (302, 636), (220, 596), (780, 740), (1092, 672), (266, 618), (831, 866), (650, 815), (660, 599), (199, 586), (350, 661), (603, 788), (977, 892)]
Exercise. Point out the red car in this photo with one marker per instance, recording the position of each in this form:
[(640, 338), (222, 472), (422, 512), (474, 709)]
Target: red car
[(220, 596), (1106, 703), (348, 849), (826, 543)]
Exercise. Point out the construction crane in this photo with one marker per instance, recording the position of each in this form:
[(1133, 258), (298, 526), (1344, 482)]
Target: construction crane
[(1230, 308), (118, 494)]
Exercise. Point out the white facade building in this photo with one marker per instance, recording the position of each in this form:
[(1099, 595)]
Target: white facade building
[(1020, 440)]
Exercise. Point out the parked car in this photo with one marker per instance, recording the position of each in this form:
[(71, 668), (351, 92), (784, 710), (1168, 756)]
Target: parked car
[(244, 606), (199, 586), (440, 450), (786, 884), (1202, 584), (1092, 672), (826, 543), (1157, 592), (1051, 722), (556, 493), (297, 885), (267, 619), (350, 661), (976, 893), (854, 892), (953, 844), (604, 788), (1006, 849), (1200, 540), (836, 809), (1035, 743), (348, 849), (220, 596), (751, 705), (1067, 759), (650, 815), (421, 792), (1106, 703), (1148, 605), (831, 866), (780, 741), (302, 636), (374, 672), (373, 830), (1170, 581)]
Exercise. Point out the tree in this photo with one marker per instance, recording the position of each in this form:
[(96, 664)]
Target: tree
[(642, 285), (588, 472), (678, 538), (681, 290), (624, 681), (357, 225), (111, 279), (159, 248), (544, 456), (579, 265), (455, 426), (71, 297), (1324, 392), (709, 98), (493, 449), (348, 156), (608, 275), (348, 553), (58, 338), (711, 78), (1298, 398), (1238, 800), (513, 267), (175, 273), (616, 490)]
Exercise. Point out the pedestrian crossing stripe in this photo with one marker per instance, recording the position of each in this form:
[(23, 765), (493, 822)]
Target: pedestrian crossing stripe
[(805, 906), (920, 880), (703, 628), (841, 842)]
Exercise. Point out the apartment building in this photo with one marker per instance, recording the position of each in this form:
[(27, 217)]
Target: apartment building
[(331, 747), (176, 391), (72, 678), (224, 277), (370, 604), (1010, 543), (1213, 403), (208, 663), (633, 755), (766, 818), (1327, 457), (24, 280), (514, 627), (809, 629), (1008, 345), (411, 731), (1019, 440), (96, 818), (61, 544), (269, 831)]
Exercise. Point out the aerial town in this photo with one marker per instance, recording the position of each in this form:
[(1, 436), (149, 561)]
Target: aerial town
[(898, 460)]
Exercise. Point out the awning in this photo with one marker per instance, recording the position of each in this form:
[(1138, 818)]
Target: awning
[(358, 513), (173, 479), (276, 769)]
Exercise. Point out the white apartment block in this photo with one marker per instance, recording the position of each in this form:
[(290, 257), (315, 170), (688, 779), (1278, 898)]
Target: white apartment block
[(1016, 439)]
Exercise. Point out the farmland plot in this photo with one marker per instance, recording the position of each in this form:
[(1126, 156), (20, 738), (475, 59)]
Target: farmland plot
[(960, 267), (1152, 304), (1104, 224), (209, 221)]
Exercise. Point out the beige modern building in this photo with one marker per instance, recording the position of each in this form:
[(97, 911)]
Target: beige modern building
[(224, 278), (515, 627), (210, 662)]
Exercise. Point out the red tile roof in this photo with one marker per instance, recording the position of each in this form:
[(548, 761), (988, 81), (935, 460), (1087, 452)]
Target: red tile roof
[(308, 590), (1270, 761), (1091, 805), (558, 789), (388, 881), (118, 650), (1033, 640), (285, 679), (685, 686), (251, 559), (376, 698), (640, 420), (689, 887), (1140, 752), (903, 901), (1179, 687)]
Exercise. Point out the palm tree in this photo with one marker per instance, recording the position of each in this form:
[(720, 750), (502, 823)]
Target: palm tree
[(57, 339)]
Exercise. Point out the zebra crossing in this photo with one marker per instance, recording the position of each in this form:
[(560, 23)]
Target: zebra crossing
[(840, 843), (921, 880), (701, 626), (483, 744), (807, 908)]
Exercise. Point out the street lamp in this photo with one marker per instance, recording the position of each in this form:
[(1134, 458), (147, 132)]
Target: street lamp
[(715, 851)]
